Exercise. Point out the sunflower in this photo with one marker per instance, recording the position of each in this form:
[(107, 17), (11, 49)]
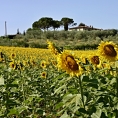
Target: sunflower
[(95, 61), (12, 65), (54, 62), (108, 51), (43, 64), (84, 60), (1, 59), (25, 63), (43, 74), (32, 62), (52, 47), (68, 63), (13, 55)]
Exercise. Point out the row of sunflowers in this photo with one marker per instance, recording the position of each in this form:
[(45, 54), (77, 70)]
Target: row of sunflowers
[(58, 83), (71, 62)]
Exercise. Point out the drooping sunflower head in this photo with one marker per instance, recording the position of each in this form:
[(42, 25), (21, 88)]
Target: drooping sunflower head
[(108, 51), (52, 47), (68, 63)]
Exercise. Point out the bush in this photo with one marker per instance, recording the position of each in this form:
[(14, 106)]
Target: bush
[(22, 44), (37, 45)]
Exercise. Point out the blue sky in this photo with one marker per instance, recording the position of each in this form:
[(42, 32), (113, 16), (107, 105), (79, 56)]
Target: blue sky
[(20, 14)]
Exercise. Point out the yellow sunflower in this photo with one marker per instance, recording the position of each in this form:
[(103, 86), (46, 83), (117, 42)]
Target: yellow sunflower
[(52, 47), (43, 64), (108, 51), (95, 61), (25, 63), (1, 59), (13, 55), (12, 65), (67, 62), (43, 74)]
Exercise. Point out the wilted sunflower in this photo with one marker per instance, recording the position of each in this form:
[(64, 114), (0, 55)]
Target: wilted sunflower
[(68, 63), (108, 51), (52, 47), (43, 74)]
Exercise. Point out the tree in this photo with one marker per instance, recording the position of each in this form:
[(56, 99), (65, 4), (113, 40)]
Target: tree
[(74, 24), (45, 23), (18, 31), (66, 22), (81, 24), (24, 33), (35, 25), (56, 24)]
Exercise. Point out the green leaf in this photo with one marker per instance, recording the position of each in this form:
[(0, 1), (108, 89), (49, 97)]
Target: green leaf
[(113, 81), (12, 85), (82, 110), (97, 114), (65, 115), (92, 85), (21, 108), (13, 111), (1, 80), (40, 111), (59, 105), (94, 81), (73, 99), (59, 90), (85, 79)]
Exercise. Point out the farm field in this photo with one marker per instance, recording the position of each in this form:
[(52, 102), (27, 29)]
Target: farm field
[(55, 83)]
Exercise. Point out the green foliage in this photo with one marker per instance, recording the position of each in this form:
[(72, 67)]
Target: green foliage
[(81, 24), (24, 93), (67, 39), (37, 45), (44, 23), (66, 22), (56, 24)]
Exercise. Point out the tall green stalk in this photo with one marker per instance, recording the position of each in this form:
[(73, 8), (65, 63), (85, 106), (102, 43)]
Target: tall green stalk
[(116, 90), (81, 90)]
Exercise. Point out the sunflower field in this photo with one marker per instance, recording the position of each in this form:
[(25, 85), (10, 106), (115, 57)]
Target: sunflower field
[(57, 83)]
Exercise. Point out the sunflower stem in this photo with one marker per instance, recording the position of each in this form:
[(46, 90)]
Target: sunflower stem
[(116, 90), (81, 90)]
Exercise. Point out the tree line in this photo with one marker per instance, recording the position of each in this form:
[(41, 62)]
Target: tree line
[(45, 23)]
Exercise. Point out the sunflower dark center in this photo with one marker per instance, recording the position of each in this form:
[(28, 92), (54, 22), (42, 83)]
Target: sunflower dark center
[(71, 63), (13, 65), (95, 60), (109, 50)]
